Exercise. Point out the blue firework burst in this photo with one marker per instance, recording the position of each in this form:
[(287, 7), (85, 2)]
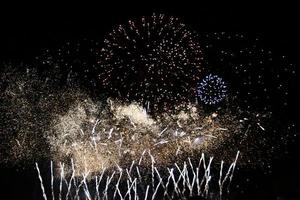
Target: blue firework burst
[(211, 89)]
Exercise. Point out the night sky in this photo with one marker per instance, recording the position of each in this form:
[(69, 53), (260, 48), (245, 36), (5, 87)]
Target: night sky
[(27, 31)]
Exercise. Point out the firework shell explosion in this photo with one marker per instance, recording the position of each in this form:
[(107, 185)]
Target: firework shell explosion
[(158, 58), (150, 96), (211, 90)]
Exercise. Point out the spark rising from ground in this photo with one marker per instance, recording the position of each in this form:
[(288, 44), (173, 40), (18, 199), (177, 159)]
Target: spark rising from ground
[(135, 182)]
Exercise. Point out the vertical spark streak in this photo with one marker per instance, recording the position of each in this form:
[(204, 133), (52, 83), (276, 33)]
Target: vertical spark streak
[(155, 191), (41, 181), (70, 181), (97, 195), (152, 169), (142, 157), (117, 184), (139, 174), (191, 185), (129, 188), (128, 174), (130, 169), (234, 164), (220, 179), (167, 185), (61, 179), (52, 179), (135, 191), (197, 181), (86, 189), (108, 180), (174, 182), (207, 176), (146, 194), (184, 171)]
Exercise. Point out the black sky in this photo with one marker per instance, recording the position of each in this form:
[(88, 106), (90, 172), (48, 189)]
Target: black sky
[(25, 29)]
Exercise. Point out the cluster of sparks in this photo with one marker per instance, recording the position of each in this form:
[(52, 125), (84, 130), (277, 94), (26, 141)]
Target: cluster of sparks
[(157, 57), (127, 131), (212, 89)]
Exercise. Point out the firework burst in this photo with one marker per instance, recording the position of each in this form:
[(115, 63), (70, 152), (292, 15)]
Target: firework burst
[(212, 89), (155, 58)]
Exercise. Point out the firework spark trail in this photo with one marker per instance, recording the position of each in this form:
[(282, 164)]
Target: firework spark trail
[(182, 174), (233, 168), (117, 184), (152, 168), (220, 179), (184, 171), (52, 179), (155, 191), (139, 174), (128, 175), (161, 183), (146, 194), (107, 184), (191, 186), (97, 183), (229, 174), (129, 188), (61, 179), (41, 181), (131, 166), (197, 181), (175, 184), (207, 176), (70, 181), (140, 160), (135, 191), (168, 182)]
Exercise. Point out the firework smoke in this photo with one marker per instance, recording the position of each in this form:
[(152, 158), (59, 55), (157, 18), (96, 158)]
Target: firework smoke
[(105, 137)]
